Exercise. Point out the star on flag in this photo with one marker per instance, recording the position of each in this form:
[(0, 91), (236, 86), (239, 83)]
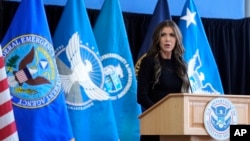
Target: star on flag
[(189, 17)]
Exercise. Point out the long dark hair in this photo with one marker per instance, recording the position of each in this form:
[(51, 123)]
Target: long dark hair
[(177, 54)]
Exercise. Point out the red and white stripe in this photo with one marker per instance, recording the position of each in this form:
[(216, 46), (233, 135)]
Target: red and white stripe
[(8, 131)]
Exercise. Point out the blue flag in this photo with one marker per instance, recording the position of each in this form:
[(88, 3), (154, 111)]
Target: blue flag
[(81, 71), (202, 69), (39, 104), (161, 13), (120, 80)]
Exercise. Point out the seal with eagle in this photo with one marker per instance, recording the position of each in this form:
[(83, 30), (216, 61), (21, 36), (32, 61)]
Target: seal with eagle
[(25, 73), (77, 76)]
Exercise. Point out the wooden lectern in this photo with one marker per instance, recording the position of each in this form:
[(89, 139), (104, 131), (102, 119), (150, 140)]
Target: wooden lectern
[(179, 116)]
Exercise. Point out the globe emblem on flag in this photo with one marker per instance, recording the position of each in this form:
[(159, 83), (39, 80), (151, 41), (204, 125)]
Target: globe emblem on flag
[(117, 74), (219, 114), (31, 71), (81, 73)]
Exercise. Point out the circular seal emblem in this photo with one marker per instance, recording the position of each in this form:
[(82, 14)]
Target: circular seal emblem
[(117, 75), (32, 75), (81, 74), (219, 114)]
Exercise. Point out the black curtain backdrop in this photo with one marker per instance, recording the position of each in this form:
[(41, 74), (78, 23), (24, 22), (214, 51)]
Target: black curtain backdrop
[(229, 40)]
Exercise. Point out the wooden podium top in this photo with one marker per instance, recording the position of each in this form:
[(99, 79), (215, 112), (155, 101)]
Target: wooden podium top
[(182, 114)]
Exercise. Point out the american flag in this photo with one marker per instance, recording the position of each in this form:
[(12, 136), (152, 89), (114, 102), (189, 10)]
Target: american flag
[(8, 131)]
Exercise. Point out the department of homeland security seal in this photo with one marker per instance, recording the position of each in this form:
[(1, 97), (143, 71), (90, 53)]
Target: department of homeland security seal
[(117, 74), (219, 114), (31, 71), (81, 74)]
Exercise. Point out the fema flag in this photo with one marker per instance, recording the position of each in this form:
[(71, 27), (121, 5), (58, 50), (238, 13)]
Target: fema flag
[(120, 80), (202, 69), (34, 83), (82, 75), (161, 13)]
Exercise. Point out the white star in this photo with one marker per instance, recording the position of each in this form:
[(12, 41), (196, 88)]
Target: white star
[(189, 17)]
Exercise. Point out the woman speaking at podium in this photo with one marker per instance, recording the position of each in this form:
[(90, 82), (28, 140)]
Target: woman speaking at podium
[(163, 70)]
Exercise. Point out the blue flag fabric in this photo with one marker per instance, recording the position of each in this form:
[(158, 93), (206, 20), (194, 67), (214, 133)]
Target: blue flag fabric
[(39, 104), (202, 68), (161, 13), (81, 71), (120, 80)]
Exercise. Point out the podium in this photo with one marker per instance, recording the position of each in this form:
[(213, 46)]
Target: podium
[(179, 116)]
